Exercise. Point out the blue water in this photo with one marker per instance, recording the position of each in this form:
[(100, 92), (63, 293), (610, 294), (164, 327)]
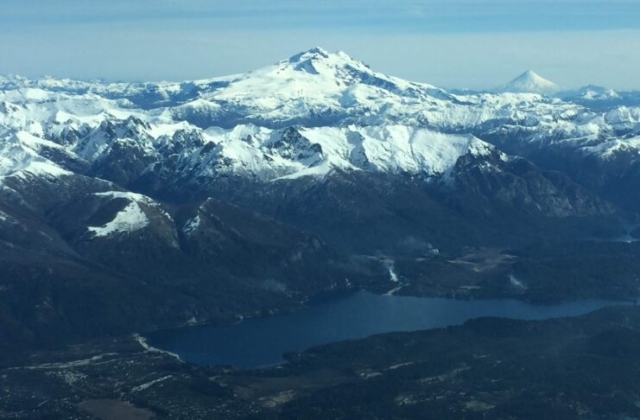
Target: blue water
[(626, 237), (262, 341)]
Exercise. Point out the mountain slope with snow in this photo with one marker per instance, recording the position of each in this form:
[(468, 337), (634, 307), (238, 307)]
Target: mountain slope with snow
[(309, 115), (152, 204)]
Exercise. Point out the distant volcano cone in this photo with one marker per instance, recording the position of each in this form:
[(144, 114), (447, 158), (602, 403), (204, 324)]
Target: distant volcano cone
[(530, 82)]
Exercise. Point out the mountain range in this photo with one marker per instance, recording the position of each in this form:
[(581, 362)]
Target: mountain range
[(129, 206)]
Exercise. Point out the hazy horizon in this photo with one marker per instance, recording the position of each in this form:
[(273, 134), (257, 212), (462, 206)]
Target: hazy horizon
[(477, 44)]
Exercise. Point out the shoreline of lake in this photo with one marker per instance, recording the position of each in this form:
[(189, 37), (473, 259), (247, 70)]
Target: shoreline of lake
[(262, 341)]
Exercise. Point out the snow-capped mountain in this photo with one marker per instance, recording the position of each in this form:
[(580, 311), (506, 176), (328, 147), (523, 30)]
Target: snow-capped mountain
[(168, 189), (600, 98), (314, 88), (311, 114), (236, 124), (530, 82)]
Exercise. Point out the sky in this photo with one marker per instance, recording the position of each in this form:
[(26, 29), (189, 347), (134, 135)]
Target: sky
[(475, 44)]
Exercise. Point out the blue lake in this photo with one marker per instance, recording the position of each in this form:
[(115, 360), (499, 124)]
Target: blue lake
[(262, 341)]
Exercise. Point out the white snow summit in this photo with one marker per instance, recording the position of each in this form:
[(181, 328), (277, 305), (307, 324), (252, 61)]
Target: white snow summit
[(304, 116), (530, 82)]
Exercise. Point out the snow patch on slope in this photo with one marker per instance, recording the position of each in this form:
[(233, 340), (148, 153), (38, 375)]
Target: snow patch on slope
[(394, 148), (19, 157), (126, 194), (41, 168), (127, 220), (135, 197), (293, 153), (317, 171), (191, 225), (610, 148)]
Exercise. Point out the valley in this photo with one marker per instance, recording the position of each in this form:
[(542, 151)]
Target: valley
[(486, 368), (132, 208)]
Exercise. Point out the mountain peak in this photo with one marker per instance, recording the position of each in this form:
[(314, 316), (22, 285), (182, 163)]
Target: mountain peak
[(530, 82), (314, 53), (319, 61), (531, 76)]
